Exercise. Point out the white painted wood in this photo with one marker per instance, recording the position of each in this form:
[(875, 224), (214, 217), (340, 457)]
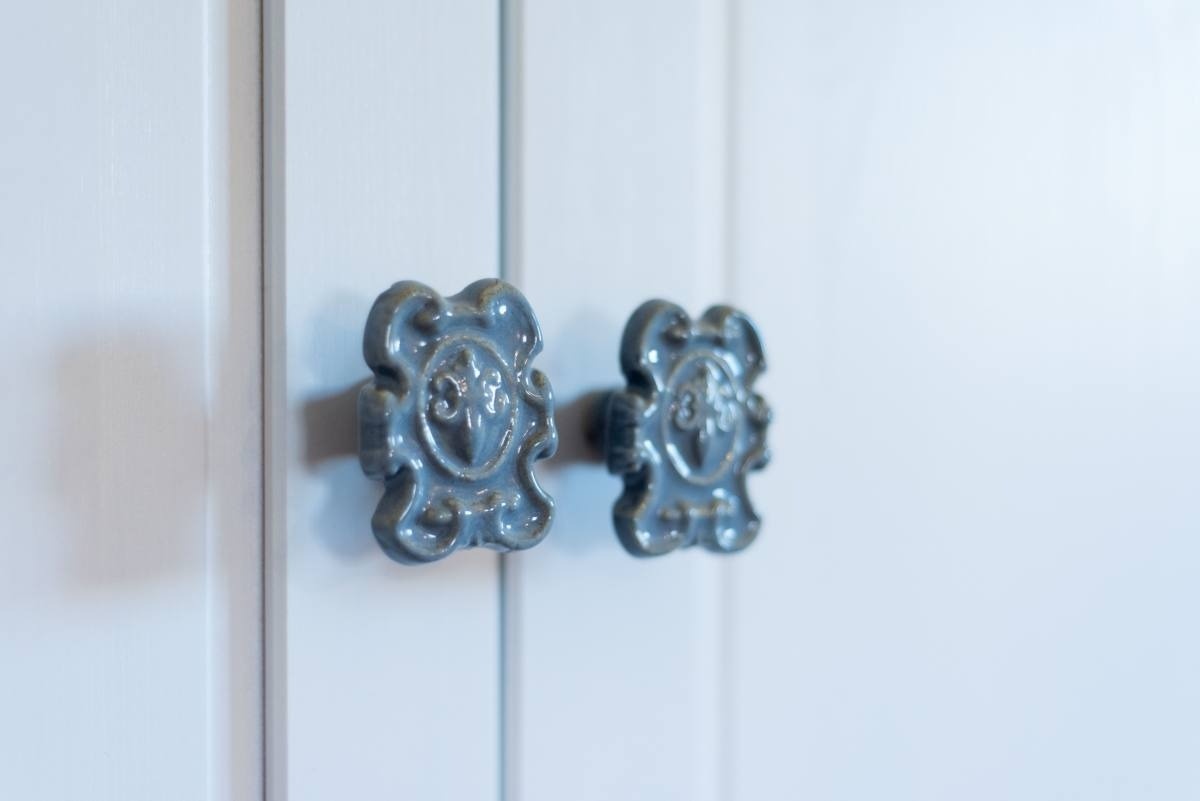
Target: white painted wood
[(969, 234), (383, 135), (129, 582), (612, 662)]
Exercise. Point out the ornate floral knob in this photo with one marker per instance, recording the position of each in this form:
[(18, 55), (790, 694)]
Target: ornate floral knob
[(454, 420), (686, 430)]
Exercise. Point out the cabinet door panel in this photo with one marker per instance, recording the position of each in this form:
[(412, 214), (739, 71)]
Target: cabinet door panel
[(384, 137), (969, 234), (613, 662), (130, 411)]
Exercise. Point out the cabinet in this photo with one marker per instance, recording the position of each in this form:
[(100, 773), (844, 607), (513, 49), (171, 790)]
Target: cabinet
[(967, 234)]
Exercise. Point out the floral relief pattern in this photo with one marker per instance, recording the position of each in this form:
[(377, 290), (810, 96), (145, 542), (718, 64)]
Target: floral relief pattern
[(687, 429), (454, 419)]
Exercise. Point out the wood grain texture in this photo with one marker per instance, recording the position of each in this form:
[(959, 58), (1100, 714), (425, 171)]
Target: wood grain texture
[(968, 234), (383, 140), (129, 585), (612, 662)]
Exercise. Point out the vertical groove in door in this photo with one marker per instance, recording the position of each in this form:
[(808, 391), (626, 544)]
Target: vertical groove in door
[(727, 580), (231, 257), (510, 139), (274, 625), (509, 208)]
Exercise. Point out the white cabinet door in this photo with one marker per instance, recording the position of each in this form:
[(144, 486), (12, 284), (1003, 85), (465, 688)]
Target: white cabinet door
[(969, 234), (383, 143), (617, 195), (130, 477)]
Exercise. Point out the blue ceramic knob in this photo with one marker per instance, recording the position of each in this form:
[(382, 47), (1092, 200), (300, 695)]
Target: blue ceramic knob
[(686, 430), (454, 420)]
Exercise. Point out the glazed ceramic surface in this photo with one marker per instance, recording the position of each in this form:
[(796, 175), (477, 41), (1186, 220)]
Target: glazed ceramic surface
[(454, 419), (686, 430)]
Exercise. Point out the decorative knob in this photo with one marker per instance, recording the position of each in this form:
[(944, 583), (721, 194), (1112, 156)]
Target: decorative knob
[(454, 420), (685, 431)]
